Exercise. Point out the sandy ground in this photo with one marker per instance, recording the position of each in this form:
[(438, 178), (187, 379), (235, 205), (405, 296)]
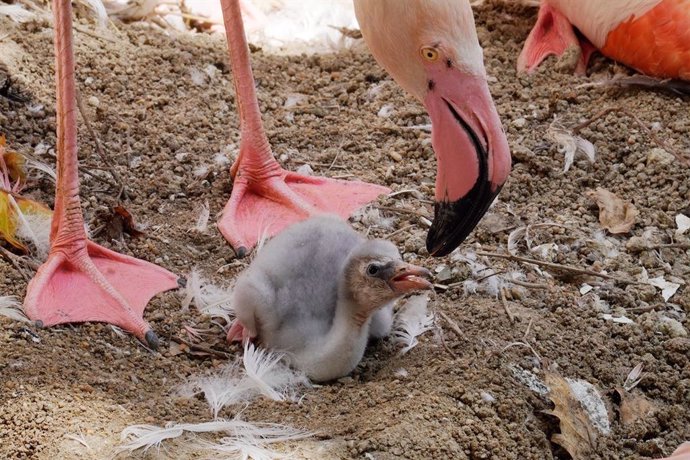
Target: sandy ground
[(162, 129)]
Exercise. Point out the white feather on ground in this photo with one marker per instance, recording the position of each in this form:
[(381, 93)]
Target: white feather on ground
[(371, 217), (17, 13), (222, 389), (237, 432), (683, 224), (12, 309), (202, 221), (35, 229), (260, 373), (100, 11), (270, 374), (570, 145), (208, 298), (40, 166), (411, 321), (484, 278)]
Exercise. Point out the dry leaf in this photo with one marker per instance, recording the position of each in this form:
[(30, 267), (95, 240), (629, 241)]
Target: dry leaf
[(634, 406), (118, 223), (578, 436), (615, 215)]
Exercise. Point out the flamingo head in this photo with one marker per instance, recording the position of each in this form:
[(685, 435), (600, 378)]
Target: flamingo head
[(430, 47)]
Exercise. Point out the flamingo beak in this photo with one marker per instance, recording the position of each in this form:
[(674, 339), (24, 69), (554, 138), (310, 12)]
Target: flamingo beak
[(471, 151), (406, 278)]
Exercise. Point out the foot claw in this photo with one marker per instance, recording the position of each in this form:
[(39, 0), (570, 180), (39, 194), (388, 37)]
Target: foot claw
[(241, 252), (182, 282), (152, 340)]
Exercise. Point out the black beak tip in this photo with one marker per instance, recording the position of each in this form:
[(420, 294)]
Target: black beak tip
[(454, 221)]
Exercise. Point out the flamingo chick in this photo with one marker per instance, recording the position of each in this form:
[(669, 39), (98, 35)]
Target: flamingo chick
[(82, 281), (430, 48), (651, 36), (319, 291)]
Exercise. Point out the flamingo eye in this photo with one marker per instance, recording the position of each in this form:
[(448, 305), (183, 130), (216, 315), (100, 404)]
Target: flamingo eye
[(373, 270), (429, 53)]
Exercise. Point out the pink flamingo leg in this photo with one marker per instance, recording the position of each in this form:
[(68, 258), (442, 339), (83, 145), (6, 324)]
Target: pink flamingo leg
[(239, 333), (82, 281), (266, 198)]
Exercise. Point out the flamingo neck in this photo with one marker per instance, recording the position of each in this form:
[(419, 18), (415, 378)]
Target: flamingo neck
[(338, 352)]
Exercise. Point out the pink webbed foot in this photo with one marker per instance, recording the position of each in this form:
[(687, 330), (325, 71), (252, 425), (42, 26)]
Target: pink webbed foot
[(239, 333), (97, 284), (265, 198), (553, 34), (259, 208)]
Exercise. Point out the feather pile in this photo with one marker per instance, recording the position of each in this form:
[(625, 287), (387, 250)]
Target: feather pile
[(22, 220), (484, 278), (411, 321), (371, 217), (570, 145), (240, 437), (208, 298), (260, 373), (12, 309)]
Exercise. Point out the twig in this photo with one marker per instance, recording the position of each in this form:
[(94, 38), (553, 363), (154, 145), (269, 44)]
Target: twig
[(510, 314), (452, 324), (522, 344), (653, 247), (335, 158), (12, 259), (5, 36), (597, 116), (555, 266), (529, 326), (99, 149), (193, 17), (398, 231), (90, 33), (445, 345), (490, 275), (525, 284), (205, 349), (403, 211), (84, 170), (415, 193), (661, 143)]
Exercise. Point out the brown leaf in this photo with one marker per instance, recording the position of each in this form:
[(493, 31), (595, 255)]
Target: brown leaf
[(118, 223), (578, 435), (177, 348), (127, 221), (634, 406), (615, 215)]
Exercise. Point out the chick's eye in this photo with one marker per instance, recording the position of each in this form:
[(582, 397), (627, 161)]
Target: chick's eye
[(372, 269), (429, 53)]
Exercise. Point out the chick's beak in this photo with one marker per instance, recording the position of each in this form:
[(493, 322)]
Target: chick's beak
[(407, 278)]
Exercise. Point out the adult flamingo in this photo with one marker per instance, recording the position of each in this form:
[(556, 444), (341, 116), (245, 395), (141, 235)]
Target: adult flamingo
[(651, 36)]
